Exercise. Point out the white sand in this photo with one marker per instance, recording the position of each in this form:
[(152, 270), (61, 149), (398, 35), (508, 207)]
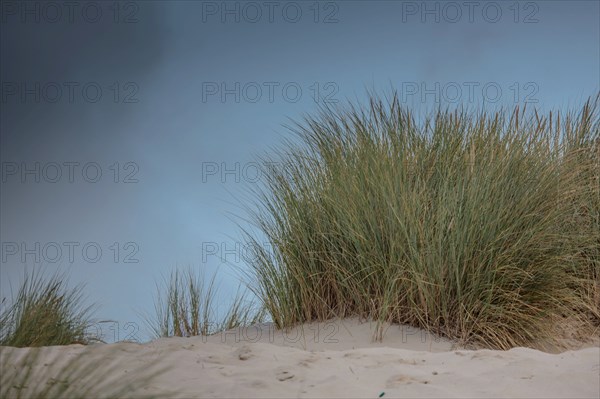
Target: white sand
[(330, 360)]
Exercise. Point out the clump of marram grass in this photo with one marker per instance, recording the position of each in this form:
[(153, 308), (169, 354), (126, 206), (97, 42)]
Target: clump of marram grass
[(185, 306), (583, 143), (45, 312), (481, 228)]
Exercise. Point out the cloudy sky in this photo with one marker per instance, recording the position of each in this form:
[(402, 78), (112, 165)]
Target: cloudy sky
[(130, 130)]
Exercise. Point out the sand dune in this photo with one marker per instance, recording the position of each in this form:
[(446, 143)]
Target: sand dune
[(332, 360)]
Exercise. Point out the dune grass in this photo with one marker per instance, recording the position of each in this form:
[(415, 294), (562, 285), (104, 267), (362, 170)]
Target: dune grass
[(585, 148), (45, 312), (480, 227), (43, 373), (185, 306)]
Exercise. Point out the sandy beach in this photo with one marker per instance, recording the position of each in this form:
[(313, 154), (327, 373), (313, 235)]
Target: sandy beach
[(226, 199), (336, 359)]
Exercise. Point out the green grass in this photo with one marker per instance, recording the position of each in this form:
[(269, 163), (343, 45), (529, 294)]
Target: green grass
[(483, 228), (44, 312), (585, 147), (185, 306)]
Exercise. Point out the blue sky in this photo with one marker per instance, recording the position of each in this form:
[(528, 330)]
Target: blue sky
[(172, 102)]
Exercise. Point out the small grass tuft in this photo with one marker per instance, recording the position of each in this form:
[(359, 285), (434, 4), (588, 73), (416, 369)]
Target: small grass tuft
[(45, 312), (185, 306)]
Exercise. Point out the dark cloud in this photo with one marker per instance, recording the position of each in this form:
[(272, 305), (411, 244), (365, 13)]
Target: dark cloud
[(77, 53), (59, 50)]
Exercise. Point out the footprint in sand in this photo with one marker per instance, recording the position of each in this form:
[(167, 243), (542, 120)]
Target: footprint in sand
[(354, 355), (259, 384), (400, 379), (308, 361), (244, 353), (284, 375)]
